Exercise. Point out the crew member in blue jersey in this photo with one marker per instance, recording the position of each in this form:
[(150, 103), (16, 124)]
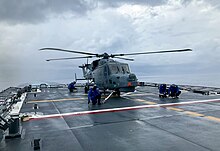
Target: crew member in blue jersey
[(163, 90), (174, 91), (71, 86), (94, 95)]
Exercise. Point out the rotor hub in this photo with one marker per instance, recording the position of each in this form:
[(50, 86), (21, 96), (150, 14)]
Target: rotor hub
[(105, 56)]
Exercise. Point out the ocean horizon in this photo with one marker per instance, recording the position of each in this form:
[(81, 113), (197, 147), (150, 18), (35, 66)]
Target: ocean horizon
[(208, 80)]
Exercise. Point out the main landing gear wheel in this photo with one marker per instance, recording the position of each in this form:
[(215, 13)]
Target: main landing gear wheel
[(117, 92), (86, 89)]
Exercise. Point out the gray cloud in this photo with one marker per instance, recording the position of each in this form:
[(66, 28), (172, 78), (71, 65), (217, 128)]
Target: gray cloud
[(105, 27), (117, 3), (214, 3), (31, 11)]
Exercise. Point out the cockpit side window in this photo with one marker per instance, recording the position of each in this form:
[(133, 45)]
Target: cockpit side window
[(125, 68)]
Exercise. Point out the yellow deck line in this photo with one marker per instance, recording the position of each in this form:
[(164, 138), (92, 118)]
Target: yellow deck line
[(175, 109), (150, 103), (181, 110), (58, 100), (140, 94), (140, 100), (212, 118), (193, 113), (145, 101)]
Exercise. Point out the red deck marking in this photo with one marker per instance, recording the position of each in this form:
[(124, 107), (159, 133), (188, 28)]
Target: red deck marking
[(121, 109)]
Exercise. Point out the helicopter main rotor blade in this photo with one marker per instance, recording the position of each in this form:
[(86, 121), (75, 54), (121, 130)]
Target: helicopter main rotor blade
[(151, 52), (129, 59), (71, 51), (68, 58)]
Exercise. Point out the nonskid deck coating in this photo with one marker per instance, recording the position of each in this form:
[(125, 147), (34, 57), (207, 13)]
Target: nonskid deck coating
[(160, 128)]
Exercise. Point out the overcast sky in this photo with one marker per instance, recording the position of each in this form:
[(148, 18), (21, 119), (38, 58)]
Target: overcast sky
[(116, 26)]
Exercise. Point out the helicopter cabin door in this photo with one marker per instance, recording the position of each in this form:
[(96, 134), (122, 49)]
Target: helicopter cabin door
[(101, 76), (106, 76)]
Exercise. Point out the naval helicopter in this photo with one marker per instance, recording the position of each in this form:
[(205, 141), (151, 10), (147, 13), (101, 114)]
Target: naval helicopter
[(107, 73)]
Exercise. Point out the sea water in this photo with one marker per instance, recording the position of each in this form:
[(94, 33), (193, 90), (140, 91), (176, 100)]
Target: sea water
[(209, 80)]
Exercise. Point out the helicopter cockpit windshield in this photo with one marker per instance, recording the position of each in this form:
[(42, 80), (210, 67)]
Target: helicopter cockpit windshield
[(116, 68)]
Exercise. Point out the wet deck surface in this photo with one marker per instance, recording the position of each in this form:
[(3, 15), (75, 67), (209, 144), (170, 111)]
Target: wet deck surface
[(186, 127)]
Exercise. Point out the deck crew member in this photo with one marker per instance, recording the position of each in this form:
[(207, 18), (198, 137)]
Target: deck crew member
[(94, 95), (163, 90), (174, 91), (71, 86)]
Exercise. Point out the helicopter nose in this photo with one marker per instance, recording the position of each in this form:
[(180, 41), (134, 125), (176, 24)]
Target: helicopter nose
[(132, 77), (132, 80)]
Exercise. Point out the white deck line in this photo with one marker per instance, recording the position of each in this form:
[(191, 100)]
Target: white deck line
[(122, 109)]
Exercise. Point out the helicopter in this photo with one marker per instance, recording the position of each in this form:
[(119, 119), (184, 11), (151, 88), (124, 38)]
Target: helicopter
[(107, 73)]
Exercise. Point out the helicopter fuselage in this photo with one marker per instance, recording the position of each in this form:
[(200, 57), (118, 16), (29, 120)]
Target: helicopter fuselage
[(113, 75)]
